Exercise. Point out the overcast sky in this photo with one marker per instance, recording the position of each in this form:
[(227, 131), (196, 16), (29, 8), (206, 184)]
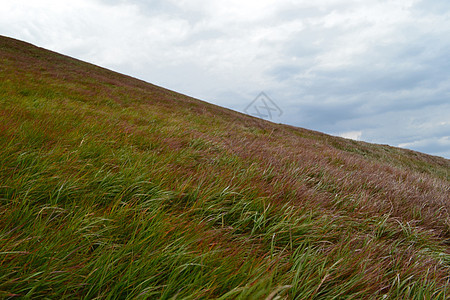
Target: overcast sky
[(377, 71)]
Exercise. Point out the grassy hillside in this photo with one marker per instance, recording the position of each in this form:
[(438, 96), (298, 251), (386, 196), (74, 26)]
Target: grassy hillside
[(111, 187)]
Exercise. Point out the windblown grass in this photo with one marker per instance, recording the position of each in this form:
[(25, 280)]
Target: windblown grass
[(114, 188)]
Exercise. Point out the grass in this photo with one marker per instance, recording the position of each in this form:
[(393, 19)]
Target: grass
[(111, 187)]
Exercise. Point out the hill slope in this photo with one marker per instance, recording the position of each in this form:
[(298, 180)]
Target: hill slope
[(113, 187)]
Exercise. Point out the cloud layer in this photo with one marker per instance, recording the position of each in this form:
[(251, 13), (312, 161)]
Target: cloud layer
[(378, 70)]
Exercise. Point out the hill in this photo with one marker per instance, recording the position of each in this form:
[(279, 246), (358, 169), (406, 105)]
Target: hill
[(111, 187)]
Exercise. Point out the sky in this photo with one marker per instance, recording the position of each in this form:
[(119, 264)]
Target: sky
[(377, 71)]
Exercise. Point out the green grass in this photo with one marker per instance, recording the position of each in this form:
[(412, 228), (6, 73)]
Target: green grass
[(111, 187)]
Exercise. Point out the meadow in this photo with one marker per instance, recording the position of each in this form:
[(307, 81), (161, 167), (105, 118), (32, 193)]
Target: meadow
[(114, 188)]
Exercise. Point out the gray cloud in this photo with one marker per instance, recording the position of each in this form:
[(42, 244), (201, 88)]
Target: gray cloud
[(432, 7), (379, 68)]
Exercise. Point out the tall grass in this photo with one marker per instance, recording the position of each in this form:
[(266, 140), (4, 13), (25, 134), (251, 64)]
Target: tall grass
[(114, 188)]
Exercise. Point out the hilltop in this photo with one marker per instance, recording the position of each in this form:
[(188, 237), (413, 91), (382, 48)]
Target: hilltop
[(114, 187)]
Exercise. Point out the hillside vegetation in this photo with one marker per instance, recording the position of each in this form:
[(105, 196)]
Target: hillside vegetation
[(111, 187)]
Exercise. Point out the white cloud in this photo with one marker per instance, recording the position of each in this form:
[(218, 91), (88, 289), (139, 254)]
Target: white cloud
[(353, 135)]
